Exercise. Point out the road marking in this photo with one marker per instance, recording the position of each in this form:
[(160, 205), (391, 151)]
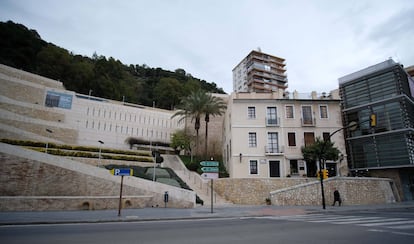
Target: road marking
[(362, 220), (389, 222), (383, 222), (337, 219), (403, 227), (402, 233), (392, 232)]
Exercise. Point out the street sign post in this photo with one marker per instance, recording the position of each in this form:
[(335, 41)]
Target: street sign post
[(209, 163), (210, 175), (121, 172), (210, 169)]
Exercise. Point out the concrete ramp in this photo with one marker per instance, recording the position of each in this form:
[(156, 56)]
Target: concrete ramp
[(201, 186)]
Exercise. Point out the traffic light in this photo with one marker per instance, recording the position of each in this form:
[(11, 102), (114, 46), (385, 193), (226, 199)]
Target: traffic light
[(373, 120), (157, 156), (159, 159), (325, 173)]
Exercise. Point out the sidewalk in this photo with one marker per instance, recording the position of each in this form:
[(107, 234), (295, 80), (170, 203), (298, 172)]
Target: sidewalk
[(147, 214)]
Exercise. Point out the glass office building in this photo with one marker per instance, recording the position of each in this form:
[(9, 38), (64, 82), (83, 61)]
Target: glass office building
[(385, 149)]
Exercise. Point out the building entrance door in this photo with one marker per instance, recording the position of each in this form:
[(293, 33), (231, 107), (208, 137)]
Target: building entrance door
[(407, 181), (311, 169), (274, 168), (331, 167)]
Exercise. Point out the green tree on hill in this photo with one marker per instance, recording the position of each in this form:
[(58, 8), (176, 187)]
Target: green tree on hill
[(105, 77)]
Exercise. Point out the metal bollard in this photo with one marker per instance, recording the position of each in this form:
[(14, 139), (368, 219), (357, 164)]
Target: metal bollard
[(165, 198)]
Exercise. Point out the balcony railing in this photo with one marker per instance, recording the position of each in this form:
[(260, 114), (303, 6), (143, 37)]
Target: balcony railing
[(308, 122), (274, 150), (271, 121)]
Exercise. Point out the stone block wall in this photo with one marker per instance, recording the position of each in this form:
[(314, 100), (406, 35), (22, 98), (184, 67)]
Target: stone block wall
[(35, 112), (22, 91), (305, 192), (34, 181), (26, 76), (47, 203), (353, 191), (252, 191), (60, 134)]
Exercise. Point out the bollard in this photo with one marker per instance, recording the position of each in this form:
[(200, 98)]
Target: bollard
[(165, 198)]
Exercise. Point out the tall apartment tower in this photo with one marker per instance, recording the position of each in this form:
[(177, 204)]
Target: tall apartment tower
[(260, 72)]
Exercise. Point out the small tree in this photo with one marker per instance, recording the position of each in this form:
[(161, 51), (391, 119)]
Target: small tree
[(320, 151), (181, 141)]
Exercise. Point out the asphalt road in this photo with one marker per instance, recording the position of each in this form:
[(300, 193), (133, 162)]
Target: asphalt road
[(361, 227)]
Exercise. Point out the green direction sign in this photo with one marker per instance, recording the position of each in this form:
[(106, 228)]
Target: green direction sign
[(209, 163), (210, 169)]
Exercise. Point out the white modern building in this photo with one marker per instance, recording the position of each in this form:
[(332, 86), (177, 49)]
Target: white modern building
[(264, 133), (38, 108)]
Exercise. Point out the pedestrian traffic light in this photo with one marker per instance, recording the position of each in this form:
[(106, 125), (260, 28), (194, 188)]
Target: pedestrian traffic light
[(157, 156), (325, 174), (373, 120), (159, 159)]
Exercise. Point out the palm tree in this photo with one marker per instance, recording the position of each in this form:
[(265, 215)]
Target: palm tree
[(193, 107), (214, 106)]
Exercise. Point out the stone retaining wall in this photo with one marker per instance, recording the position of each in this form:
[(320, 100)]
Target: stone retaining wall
[(306, 192), (353, 191), (252, 191), (33, 181), (49, 203)]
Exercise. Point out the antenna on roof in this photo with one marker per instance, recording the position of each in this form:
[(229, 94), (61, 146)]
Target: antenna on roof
[(259, 49)]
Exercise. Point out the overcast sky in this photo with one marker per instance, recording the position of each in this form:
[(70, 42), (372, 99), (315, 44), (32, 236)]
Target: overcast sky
[(321, 40)]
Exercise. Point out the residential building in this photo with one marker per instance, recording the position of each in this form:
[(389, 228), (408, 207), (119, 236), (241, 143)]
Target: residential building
[(260, 72), (264, 133), (383, 92), (410, 70)]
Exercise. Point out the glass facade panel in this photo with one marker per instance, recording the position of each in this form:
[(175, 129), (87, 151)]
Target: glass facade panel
[(381, 150), (389, 117), (369, 89)]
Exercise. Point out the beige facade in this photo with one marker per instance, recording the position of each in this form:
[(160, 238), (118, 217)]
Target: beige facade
[(32, 105), (260, 72), (264, 133)]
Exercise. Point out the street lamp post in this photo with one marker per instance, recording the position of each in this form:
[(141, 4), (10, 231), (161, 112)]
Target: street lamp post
[(352, 126), (100, 145), (47, 142)]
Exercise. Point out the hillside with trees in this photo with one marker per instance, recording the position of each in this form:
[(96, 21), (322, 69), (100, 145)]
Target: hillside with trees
[(105, 77)]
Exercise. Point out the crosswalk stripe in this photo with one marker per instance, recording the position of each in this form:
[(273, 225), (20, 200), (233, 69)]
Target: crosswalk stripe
[(402, 227), (362, 220), (305, 216), (358, 220), (331, 220), (388, 222)]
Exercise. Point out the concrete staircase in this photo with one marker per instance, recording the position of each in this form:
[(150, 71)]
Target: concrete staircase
[(201, 186)]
